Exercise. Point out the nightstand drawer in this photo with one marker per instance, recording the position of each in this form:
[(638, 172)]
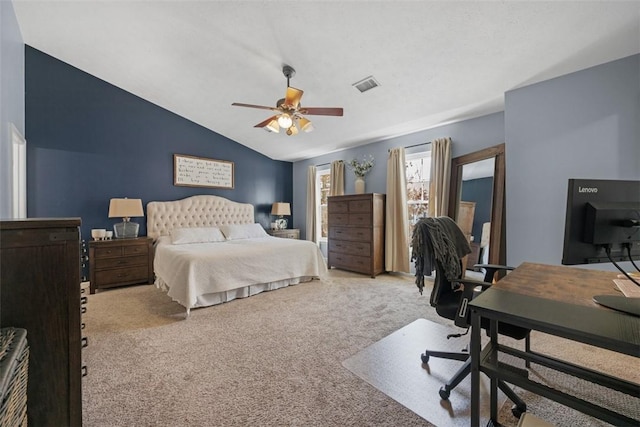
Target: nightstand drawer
[(287, 233), (101, 264), (136, 250), (108, 252), (123, 275)]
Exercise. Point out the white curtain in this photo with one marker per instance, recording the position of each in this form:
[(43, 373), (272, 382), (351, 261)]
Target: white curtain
[(440, 177), (397, 215), (311, 204), (337, 178)]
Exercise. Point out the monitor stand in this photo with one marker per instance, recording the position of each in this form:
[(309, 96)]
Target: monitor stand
[(621, 303)]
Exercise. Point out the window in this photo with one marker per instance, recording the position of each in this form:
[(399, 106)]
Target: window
[(418, 168), (323, 189)]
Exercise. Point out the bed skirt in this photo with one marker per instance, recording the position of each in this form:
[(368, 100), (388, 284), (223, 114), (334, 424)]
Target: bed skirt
[(215, 298)]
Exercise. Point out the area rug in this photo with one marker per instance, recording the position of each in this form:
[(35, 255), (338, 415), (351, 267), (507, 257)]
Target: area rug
[(393, 366)]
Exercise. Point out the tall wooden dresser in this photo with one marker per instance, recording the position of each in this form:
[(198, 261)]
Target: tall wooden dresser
[(356, 233), (40, 292)]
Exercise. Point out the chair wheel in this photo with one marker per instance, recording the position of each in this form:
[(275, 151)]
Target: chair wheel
[(517, 411), (424, 357), (444, 393)]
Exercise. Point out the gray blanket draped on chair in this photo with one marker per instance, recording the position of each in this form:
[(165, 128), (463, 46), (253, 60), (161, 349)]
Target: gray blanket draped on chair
[(438, 239)]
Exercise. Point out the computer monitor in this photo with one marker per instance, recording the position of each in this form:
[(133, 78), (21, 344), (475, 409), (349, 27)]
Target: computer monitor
[(603, 225), (601, 215)]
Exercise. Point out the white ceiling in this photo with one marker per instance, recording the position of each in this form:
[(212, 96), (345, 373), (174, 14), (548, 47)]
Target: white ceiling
[(437, 62)]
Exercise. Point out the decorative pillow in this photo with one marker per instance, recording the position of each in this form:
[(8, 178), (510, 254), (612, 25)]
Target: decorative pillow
[(243, 231), (181, 236)]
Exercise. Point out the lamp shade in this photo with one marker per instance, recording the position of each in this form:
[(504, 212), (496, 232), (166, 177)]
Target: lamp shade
[(280, 208), (125, 208)]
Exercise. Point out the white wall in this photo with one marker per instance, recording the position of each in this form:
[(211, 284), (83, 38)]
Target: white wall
[(581, 125), (11, 96)]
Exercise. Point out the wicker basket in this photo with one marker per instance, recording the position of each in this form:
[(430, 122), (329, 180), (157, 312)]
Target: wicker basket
[(14, 367)]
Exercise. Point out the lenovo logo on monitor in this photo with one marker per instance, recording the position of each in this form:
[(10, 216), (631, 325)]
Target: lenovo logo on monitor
[(587, 189)]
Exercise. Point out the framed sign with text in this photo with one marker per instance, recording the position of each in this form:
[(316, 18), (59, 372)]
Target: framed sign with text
[(191, 171)]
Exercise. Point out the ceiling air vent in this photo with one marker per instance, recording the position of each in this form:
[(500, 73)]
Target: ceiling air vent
[(366, 84)]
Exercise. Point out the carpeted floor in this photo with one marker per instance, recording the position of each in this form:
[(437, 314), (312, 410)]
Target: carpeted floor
[(272, 359)]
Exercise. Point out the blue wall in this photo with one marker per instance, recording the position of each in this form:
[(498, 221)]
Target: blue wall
[(480, 191), (582, 125), (11, 97), (89, 141)]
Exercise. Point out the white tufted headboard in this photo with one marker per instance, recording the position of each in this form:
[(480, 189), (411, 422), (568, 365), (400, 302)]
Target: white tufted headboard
[(195, 211)]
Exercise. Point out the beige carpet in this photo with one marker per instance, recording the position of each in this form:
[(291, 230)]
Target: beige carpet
[(272, 359)]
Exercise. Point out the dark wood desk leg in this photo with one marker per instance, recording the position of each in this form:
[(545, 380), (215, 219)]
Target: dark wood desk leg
[(475, 369), (493, 335)]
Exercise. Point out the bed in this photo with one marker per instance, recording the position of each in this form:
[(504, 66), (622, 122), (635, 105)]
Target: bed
[(209, 250)]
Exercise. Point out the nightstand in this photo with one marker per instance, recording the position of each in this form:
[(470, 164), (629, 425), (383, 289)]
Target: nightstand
[(120, 262), (287, 233)]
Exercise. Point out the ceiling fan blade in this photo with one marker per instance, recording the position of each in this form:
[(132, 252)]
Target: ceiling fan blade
[(262, 107), (321, 111), (265, 122), (293, 97)]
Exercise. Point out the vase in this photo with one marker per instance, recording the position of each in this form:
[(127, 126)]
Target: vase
[(359, 185)]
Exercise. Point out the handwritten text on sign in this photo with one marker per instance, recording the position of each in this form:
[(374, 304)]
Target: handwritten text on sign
[(200, 172)]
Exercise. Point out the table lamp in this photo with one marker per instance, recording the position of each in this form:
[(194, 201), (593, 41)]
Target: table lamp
[(280, 209), (125, 209)]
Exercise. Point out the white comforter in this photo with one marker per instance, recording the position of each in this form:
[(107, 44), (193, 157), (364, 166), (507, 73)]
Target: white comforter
[(191, 270)]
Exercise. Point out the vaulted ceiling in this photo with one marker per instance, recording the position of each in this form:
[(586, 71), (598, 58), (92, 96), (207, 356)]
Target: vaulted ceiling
[(436, 62)]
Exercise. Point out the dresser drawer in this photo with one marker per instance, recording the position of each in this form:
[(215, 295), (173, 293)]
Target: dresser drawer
[(358, 234), (363, 205), (356, 263), (123, 275), (338, 219), (360, 219), (101, 264), (108, 252), (353, 248), (338, 207)]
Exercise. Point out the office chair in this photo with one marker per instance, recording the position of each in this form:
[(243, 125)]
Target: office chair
[(439, 244)]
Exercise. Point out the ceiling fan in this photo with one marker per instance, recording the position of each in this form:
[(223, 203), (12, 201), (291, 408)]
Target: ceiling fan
[(290, 114)]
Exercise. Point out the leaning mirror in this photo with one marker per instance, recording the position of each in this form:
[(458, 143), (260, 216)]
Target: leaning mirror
[(476, 202)]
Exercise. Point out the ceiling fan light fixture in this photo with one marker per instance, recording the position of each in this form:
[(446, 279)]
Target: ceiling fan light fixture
[(285, 121), (293, 130), (305, 124), (272, 126)]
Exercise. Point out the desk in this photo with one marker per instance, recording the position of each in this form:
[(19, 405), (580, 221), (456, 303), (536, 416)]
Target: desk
[(557, 301)]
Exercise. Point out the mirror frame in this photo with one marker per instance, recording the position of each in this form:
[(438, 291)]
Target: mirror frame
[(497, 238)]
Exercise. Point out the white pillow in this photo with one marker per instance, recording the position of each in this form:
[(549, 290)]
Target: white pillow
[(181, 236), (243, 231)]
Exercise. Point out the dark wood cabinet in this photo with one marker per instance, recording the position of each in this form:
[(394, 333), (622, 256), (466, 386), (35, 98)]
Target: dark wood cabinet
[(120, 262), (356, 233), (40, 292)]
